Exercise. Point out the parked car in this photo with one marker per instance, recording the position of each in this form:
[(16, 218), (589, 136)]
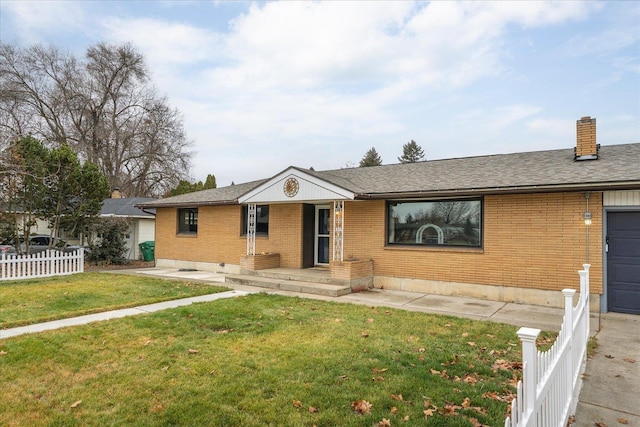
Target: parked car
[(7, 249), (42, 242)]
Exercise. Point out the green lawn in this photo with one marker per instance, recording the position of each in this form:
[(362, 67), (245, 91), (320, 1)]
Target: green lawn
[(263, 360), (25, 302)]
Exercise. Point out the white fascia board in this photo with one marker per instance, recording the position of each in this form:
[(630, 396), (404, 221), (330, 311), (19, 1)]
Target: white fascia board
[(310, 188)]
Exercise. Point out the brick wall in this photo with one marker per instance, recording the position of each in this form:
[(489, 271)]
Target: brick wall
[(219, 236), (534, 240)]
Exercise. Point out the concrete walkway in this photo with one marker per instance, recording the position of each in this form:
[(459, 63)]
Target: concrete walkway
[(611, 386), (610, 393), (114, 314)]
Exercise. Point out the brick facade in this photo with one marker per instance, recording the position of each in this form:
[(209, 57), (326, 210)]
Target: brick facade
[(533, 241)]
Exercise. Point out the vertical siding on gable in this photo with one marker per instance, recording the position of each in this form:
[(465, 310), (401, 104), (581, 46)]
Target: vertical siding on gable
[(621, 198), (530, 240)]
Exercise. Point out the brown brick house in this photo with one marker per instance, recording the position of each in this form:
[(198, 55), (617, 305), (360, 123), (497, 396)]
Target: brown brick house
[(508, 227)]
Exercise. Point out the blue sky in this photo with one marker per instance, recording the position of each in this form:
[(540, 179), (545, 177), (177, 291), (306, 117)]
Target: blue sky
[(266, 85)]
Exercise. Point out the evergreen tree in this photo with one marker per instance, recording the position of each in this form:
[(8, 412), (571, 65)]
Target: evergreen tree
[(411, 153), (185, 186), (372, 158)]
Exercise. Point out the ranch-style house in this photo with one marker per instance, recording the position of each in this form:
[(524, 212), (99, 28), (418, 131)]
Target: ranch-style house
[(506, 227)]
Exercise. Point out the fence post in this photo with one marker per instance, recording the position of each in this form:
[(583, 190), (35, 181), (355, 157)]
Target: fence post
[(567, 328), (528, 337), (584, 290), (81, 260)]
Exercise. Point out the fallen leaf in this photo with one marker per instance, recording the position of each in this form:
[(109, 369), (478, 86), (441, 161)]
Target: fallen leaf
[(406, 418), (164, 368), (364, 335), (313, 410), (384, 423), (601, 424), (2, 352), (471, 343), (378, 378), (623, 421), (466, 402), (427, 412), (379, 371), (361, 406), (608, 356), (465, 334), (630, 360), (394, 410), (396, 397), (76, 403), (297, 404), (192, 351)]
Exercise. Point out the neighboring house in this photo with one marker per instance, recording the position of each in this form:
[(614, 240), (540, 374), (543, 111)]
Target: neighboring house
[(506, 227), (141, 221)]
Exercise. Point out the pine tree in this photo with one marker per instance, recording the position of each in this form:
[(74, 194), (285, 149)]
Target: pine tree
[(372, 158), (411, 153)]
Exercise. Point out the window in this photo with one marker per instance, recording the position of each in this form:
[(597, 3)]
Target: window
[(435, 223), (188, 221), (262, 220)]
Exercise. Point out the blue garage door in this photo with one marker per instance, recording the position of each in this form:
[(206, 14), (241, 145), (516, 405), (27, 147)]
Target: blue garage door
[(623, 262)]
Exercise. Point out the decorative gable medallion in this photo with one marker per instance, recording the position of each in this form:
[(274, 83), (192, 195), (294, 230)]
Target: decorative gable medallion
[(291, 187)]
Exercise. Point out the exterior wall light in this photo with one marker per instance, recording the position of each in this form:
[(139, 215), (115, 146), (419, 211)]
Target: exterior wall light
[(587, 218)]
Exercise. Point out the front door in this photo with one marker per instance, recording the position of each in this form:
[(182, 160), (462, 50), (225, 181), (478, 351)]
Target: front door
[(623, 262), (322, 235)]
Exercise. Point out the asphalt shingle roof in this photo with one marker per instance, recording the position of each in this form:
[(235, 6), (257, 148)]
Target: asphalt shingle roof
[(125, 207), (617, 167)]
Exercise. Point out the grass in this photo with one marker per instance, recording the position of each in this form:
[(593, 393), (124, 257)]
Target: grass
[(263, 360), (26, 302)]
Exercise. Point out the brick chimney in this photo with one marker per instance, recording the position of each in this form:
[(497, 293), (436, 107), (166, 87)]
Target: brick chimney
[(586, 147), (116, 194)]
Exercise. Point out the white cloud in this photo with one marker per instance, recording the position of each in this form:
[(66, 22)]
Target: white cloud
[(38, 20)]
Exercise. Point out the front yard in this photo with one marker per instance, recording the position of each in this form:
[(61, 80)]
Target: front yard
[(263, 360), (24, 302)]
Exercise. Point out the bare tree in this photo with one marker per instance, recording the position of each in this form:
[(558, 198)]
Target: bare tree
[(103, 106)]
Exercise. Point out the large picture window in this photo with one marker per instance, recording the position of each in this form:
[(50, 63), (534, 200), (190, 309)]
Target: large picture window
[(435, 223), (188, 221), (262, 220)]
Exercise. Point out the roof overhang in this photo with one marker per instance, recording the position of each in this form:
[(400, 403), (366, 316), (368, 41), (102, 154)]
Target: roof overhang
[(295, 185), (470, 192)]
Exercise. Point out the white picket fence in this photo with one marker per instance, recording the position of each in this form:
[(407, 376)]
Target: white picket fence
[(551, 380), (43, 264)]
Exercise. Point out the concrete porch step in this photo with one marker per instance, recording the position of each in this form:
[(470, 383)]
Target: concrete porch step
[(314, 275), (325, 289)]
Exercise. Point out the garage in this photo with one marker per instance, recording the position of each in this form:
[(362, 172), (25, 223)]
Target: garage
[(623, 261)]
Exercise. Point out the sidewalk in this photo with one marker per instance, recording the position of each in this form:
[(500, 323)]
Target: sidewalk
[(611, 383)]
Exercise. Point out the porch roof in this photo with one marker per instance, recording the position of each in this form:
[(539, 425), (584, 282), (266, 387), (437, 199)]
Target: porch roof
[(616, 168)]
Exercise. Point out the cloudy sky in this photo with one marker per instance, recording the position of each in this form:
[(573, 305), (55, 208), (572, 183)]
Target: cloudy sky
[(264, 85)]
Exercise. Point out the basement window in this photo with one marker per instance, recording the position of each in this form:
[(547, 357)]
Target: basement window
[(188, 221), (453, 223)]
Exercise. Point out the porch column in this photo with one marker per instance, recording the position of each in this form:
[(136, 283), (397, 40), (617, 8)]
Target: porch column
[(338, 227), (251, 229)]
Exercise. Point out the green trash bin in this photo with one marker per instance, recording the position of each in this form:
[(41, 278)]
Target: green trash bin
[(148, 250)]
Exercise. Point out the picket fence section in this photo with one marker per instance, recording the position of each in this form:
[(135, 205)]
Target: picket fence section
[(43, 264), (551, 380)]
